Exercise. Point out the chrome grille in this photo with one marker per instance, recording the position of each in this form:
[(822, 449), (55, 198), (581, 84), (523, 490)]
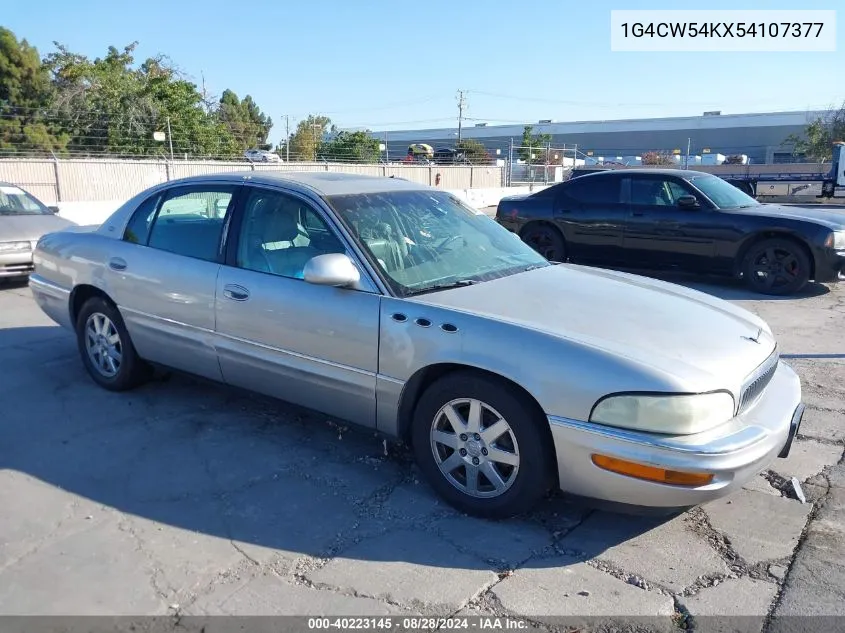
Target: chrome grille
[(757, 381)]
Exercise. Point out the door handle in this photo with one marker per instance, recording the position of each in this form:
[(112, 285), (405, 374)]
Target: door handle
[(116, 263), (637, 214), (235, 292)]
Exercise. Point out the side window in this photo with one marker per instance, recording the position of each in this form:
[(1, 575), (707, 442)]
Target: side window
[(594, 191), (190, 222), (656, 192), (138, 229), (280, 233)]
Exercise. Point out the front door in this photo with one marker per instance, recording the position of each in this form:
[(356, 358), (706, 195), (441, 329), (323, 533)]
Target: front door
[(316, 346), (660, 234), (163, 275), (590, 213)]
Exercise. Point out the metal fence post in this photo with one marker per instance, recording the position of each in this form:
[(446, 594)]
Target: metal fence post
[(430, 171), (471, 170), (56, 178)]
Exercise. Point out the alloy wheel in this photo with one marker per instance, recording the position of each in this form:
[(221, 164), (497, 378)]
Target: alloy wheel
[(474, 448), (103, 344)]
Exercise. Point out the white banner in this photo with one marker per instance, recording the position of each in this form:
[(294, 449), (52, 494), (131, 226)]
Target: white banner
[(723, 31)]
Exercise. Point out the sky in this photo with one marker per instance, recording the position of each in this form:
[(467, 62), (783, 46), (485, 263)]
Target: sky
[(399, 65)]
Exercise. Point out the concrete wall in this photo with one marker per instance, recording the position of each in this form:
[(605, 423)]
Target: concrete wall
[(93, 180), (96, 211)]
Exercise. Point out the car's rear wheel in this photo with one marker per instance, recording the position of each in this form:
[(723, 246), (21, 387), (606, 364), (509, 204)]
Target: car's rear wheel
[(546, 240), (480, 444), (776, 267), (106, 349)]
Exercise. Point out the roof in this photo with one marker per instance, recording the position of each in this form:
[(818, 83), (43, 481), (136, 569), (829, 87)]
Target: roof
[(796, 118), (323, 183), (649, 171)]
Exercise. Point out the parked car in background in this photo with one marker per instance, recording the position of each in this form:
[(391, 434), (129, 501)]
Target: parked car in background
[(666, 219), (23, 219), (394, 306), (261, 156)]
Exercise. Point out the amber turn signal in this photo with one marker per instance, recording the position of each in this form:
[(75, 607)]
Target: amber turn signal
[(651, 473)]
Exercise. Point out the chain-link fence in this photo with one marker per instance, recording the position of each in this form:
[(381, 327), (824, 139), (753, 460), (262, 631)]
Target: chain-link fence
[(539, 165)]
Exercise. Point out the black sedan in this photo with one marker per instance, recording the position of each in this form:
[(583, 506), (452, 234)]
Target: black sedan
[(670, 219)]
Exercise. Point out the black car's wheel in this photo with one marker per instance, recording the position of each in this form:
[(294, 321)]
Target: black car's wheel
[(106, 349), (481, 446), (776, 267), (546, 240)]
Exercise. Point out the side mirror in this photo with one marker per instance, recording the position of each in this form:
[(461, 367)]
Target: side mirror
[(333, 269), (687, 202), (53, 209)]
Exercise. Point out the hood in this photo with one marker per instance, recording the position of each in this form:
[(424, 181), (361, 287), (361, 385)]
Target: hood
[(834, 220), (669, 328), (29, 228)]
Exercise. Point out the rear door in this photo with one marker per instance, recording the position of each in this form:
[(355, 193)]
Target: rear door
[(660, 234), (590, 213), (163, 275)]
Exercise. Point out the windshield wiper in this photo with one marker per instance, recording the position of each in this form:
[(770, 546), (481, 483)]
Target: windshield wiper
[(446, 285)]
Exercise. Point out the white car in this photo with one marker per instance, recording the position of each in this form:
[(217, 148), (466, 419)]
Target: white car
[(261, 156)]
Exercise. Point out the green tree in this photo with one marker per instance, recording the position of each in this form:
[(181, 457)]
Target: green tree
[(356, 147), (533, 148), (305, 140), (110, 105), (819, 135), (25, 96), (246, 122), (475, 151)]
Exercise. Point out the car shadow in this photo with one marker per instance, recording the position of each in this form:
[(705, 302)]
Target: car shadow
[(732, 289), (276, 479)]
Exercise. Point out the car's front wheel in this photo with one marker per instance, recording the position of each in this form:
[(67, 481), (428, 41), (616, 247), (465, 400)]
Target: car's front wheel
[(546, 240), (106, 349), (776, 267), (481, 445)]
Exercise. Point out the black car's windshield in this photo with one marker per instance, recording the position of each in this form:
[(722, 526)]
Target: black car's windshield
[(428, 240), (723, 194), (15, 201)]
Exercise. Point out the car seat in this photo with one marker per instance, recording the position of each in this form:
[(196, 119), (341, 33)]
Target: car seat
[(276, 242)]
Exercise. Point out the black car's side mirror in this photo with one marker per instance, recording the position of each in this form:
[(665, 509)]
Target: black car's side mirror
[(688, 202)]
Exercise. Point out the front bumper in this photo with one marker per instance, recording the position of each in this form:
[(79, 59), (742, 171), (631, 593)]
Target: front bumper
[(734, 453), (830, 266), (15, 264)]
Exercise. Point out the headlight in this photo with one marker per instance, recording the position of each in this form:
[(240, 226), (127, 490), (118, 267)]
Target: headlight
[(837, 240), (677, 415), (15, 247)]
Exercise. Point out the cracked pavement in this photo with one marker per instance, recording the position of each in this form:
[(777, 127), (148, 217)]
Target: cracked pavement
[(187, 498)]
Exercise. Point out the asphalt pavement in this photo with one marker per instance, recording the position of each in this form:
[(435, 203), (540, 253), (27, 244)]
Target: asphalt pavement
[(184, 498)]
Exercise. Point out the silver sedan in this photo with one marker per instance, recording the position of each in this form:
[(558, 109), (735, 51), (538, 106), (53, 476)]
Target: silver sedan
[(23, 219), (398, 308)]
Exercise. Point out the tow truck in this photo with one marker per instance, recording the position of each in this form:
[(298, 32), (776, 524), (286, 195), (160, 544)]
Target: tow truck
[(833, 182), (747, 178)]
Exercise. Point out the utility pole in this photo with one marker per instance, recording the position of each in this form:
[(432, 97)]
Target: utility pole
[(461, 106), (686, 160), (287, 138), (170, 138)]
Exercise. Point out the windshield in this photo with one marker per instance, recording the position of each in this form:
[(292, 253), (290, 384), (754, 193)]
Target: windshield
[(424, 241), (14, 201), (723, 194)]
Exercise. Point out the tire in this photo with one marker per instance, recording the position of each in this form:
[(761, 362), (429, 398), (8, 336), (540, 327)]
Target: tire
[(99, 327), (546, 240), (520, 455), (776, 267)]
